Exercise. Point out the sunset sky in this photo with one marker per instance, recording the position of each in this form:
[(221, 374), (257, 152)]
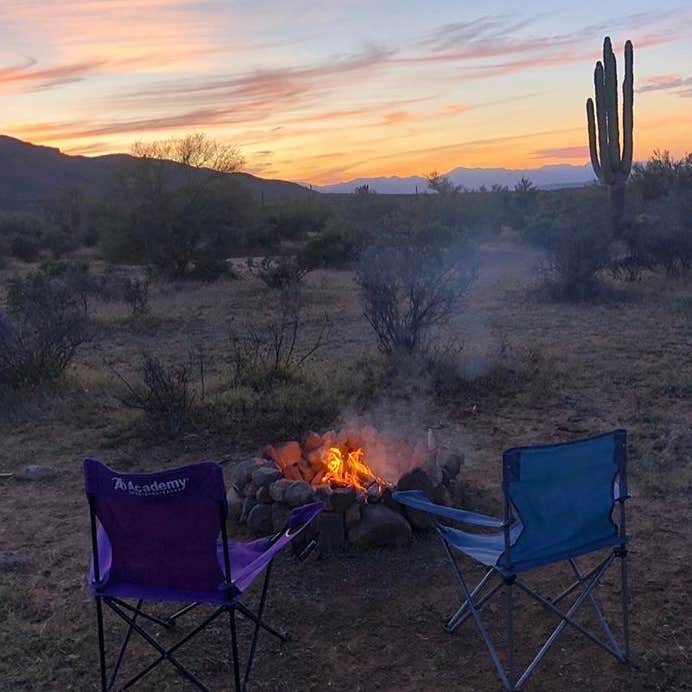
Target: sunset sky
[(323, 91)]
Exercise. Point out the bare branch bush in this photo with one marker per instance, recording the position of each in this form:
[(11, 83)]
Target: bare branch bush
[(164, 393), (45, 324), (411, 283), (262, 356)]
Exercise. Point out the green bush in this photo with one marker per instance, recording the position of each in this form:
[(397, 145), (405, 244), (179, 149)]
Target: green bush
[(337, 247), (578, 249), (280, 273), (285, 411)]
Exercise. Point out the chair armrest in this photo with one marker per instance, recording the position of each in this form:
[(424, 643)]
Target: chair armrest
[(416, 499)]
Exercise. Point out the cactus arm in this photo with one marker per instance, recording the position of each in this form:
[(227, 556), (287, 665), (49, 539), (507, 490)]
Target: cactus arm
[(604, 150), (611, 104), (627, 112), (593, 143)]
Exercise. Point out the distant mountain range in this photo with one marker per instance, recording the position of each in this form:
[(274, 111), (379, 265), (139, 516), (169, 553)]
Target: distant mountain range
[(546, 177), (31, 174)]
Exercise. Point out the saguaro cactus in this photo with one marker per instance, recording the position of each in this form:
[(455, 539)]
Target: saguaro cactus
[(612, 165)]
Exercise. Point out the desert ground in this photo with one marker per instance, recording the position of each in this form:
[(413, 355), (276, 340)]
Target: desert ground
[(370, 620)]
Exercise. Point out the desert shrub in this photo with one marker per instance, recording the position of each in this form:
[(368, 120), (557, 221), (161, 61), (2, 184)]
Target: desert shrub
[(77, 277), (660, 176), (164, 393), (280, 273), (296, 221), (578, 248), (337, 247), (285, 411), (460, 379), (667, 233), (23, 234), (44, 326), (25, 248), (412, 281), (262, 357), (136, 295), (209, 268)]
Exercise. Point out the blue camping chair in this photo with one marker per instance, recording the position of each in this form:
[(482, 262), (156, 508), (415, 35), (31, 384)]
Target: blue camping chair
[(559, 502)]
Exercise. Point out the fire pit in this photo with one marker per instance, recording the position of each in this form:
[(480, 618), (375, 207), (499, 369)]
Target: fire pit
[(353, 472)]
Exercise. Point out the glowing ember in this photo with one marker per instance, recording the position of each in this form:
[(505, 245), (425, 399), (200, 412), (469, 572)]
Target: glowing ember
[(351, 470)]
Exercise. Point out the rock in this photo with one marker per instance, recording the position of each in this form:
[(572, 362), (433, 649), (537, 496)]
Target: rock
[(388, 499), (280, 514), (314, 458), (285, 454), (341, 499), (416, 479), (442, 496), (373, 493), (37, 472), (452, 463), (250, 490), (259, 520), (262, 495), (298, 493), (306, 470), (323, 493), (312, 441), (434, 471), (264, 476), (292, 473), (332, 533), (248, 504), (352, 515), (241, 473), (277, 489), (379, 526), (235, 504)]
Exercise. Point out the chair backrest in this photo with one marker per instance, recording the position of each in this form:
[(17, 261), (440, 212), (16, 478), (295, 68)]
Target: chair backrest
[(162, 527), (564, 496)]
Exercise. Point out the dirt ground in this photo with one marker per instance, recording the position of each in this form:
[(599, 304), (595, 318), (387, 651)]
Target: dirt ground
[(373, 620)]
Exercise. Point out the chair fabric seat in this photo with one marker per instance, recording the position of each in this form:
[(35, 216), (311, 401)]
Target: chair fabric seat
[(489, 548), (247, 561), (486, 548)]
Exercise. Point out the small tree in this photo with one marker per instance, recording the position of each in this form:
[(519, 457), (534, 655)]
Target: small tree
[(411, 283), (174, 203), (442, 185)]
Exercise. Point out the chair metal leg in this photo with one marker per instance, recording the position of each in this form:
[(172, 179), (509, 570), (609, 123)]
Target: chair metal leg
[(480, 605), (246, 612), (599, 613), (255, 634), (479, 622), (510, 631), (457, 619), (234, 647), (624, 590), (123, 647), (102, 649)]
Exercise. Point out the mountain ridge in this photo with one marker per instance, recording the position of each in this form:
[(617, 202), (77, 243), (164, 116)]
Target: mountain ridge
[(31, 174), (549, 176)]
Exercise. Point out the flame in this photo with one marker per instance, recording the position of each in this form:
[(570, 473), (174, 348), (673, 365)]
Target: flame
[(351, 470)]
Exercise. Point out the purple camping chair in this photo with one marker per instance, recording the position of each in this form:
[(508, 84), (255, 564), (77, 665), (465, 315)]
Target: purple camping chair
[(156, 539)]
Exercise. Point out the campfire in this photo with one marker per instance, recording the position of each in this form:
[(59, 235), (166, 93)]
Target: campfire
[(353, 472)]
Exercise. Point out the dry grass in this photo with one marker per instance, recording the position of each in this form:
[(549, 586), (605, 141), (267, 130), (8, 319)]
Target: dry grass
[(370, 620)]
